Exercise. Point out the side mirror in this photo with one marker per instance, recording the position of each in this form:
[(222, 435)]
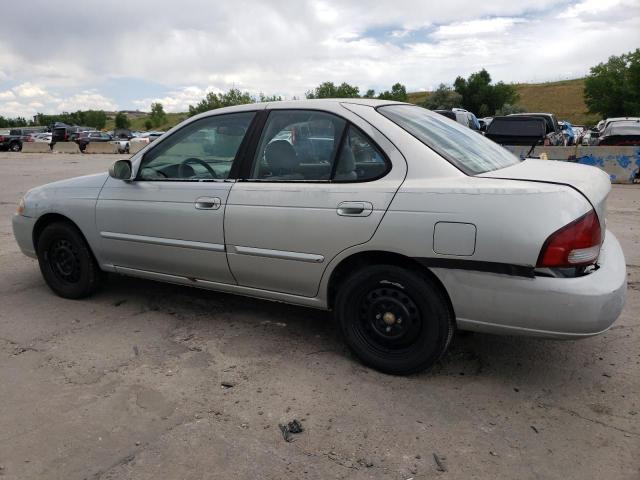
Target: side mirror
[(121, 169)]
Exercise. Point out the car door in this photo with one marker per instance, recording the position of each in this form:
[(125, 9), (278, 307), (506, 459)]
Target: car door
[(170, 219), (318, 183)]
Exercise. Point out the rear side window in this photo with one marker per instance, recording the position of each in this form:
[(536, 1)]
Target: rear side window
[(307, 145), (359, 159), (466, 149)]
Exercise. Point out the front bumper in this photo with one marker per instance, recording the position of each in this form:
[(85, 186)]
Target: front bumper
[(23, 232), (541, 306)]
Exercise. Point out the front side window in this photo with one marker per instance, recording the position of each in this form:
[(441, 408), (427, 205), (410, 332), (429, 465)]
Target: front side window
[(203, 150), (464, 148)]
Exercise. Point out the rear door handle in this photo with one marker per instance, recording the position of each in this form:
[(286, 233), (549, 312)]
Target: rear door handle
[(354, 209), (208, 203)]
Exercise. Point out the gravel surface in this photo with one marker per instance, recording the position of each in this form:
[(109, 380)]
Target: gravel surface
[(153, 381)]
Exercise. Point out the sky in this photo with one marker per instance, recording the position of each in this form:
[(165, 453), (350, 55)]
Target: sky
[(117, 55)]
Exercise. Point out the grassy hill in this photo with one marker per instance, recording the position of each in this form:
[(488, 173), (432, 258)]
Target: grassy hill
[(565, 99)]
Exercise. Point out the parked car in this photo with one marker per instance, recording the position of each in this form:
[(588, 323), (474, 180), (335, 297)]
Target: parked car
[(484, 123), (567, 133), (517, 130), (61, 132), (621, 133), (466, 118), (84, 138), (579, 131), (12, 141), (554, 132), (590, 137), (415, 227), (607, 122), (461, 116), (447, 113), (146, 137)]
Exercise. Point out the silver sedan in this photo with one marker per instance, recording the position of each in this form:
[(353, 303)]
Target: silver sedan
[(404, 223)]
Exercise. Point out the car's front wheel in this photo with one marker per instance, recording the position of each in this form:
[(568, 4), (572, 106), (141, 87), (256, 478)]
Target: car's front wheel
[(66, 263), (15, 147), (395, 320)]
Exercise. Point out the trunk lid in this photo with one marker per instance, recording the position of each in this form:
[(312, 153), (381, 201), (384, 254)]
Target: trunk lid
[(592, 182)]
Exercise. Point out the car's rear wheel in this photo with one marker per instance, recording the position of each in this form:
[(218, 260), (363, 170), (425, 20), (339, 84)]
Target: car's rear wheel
[(66, 262), (15, 147), (395, 320)]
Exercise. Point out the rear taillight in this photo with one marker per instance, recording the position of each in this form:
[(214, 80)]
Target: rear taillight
[(1, 138), (574, 245), (66, 137)]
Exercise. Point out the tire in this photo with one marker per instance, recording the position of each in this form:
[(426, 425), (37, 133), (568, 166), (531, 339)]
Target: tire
[(66, 262), (370, 306), (15, 147)]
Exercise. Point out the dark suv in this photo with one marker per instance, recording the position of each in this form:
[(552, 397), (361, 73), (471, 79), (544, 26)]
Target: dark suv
[(554, 136)]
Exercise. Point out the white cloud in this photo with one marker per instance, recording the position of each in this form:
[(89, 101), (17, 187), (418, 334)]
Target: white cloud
[(86, 100), (190, 47)]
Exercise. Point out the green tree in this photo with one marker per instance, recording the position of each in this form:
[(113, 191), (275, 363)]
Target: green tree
[(508, 109), (219, 100), (157, 116), (93, 118), (398, 93), (121, 120), (148, 124), (371, 93), (481, 97), (269, 98), (613, 88), (443, 98), (330, 90)]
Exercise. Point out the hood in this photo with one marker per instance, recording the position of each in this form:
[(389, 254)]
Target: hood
[(591, 182)]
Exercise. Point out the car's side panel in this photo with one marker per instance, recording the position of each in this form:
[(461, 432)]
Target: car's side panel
[(74, 199), (281, 235), (156, 226)]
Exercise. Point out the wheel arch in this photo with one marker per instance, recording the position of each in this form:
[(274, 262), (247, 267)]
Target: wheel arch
[(49, 218), (379, 257)]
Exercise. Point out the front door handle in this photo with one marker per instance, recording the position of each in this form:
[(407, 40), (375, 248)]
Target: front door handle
[(354, 209), (208, 203)]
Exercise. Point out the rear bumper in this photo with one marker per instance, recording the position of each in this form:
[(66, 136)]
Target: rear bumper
[(23, 232), (568, 308)]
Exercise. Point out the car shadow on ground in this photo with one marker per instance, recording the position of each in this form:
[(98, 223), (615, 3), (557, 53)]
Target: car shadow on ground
[(470, 354)]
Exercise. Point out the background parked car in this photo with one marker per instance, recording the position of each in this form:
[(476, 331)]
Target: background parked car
[(146, 137), (517, 130), (590, 137), (84, 138), (578, 131), (568, 133), (621, 133), (461, 116), (12, 141), (554, 136), (466, 118)]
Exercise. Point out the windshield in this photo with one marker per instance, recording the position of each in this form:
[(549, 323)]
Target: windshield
[(466, 149)]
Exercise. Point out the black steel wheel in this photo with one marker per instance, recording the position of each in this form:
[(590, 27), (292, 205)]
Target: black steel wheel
[(395, 320), (66, 262)]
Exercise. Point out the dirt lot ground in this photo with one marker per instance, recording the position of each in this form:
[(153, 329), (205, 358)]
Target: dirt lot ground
[(127, 384)]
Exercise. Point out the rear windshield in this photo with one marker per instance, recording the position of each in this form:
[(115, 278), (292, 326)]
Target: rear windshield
[(464, 148)]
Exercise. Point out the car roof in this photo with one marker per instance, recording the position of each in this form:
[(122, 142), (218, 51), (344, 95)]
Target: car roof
[(532, 114), (623, 127)]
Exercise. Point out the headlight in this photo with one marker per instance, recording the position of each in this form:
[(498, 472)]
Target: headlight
[(20, 209)]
